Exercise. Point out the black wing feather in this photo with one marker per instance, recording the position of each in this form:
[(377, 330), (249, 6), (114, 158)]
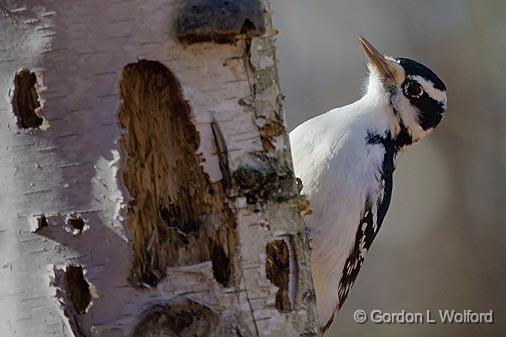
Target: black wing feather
[(367, 229)]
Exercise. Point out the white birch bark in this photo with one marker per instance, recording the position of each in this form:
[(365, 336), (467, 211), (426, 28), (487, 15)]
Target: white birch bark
[(83, 250)]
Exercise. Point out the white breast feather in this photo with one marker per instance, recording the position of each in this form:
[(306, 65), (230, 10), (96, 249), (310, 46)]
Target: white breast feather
[(338, 172)]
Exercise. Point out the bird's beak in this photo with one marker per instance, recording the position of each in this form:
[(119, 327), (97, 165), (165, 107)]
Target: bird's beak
[(376, 59)]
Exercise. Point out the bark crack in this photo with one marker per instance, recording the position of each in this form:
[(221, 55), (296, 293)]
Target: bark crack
[(252, 311)]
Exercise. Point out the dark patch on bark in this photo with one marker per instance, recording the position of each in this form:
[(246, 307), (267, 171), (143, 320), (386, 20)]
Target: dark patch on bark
[(177, 216), (76, 222), (190, 319), (221, 264), (277, 268), (41, 222), (25, 102), (66, 296), (299, 183), (265, 179), (221, 152), (274, 127), (172, 215), (219, 21), (78, 288)]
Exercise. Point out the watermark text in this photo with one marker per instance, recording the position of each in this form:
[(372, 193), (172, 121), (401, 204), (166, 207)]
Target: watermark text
[(444, 316)]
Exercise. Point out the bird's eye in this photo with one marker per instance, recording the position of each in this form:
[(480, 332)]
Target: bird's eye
[(413, 89)]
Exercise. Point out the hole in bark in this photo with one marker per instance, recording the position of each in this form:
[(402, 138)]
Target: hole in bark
[(176, 211), (39, 223), (78, 288), (76, 223), (190, 319), (221, 265), (25, 102), (278, 272)]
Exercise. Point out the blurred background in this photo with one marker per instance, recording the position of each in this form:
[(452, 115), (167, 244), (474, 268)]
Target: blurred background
[(442, 245)]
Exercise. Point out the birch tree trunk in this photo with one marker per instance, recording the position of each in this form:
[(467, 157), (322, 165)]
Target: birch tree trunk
[(146, 181)]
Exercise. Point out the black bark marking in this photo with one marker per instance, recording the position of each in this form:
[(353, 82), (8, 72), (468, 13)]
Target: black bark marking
[(76, 223), (266, 180), (41, 223), (221, 264), (74, 294), (78, 288), (221, 152), (220, 21), (25, 102)]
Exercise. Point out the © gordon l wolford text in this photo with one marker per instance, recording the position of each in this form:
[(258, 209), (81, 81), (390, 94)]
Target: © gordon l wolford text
[(444, 316)]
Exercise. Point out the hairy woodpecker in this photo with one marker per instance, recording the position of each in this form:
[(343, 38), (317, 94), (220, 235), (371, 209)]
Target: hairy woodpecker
[(346, 159)]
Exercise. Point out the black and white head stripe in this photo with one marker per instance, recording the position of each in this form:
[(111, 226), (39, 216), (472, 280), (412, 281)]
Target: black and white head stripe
[(413, 68), (426, 91)]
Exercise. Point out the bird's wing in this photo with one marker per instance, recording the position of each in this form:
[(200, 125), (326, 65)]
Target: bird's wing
[(371, 221)]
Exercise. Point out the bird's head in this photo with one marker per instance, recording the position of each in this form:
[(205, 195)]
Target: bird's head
[(417, 95)]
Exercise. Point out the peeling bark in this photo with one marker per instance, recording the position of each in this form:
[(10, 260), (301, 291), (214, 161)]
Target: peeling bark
[(278, 271), (177, 216)]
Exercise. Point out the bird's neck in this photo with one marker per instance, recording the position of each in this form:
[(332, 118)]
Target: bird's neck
[(388, 122)]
